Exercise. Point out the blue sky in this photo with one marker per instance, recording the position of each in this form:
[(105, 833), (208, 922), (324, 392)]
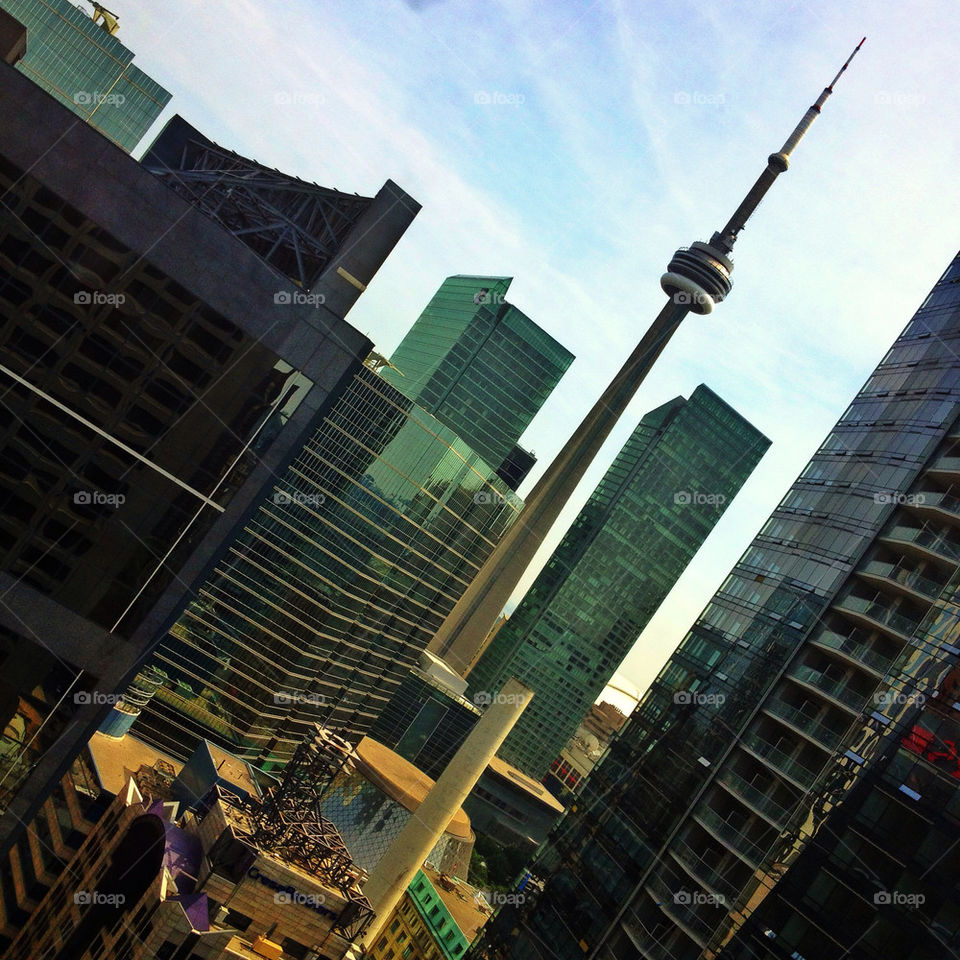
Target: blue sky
[(553, 142)]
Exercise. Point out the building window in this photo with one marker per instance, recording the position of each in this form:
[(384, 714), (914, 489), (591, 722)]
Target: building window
[(292, 947), (236, 919)]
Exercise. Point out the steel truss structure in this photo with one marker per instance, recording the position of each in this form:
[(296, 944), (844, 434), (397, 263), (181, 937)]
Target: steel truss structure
[(295, 226)]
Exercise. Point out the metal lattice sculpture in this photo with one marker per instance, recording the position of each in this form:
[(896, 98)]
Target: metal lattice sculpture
[(295, 226), (289, 823)]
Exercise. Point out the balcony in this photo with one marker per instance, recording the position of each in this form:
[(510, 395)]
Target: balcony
[(924, 543), (945, 465), (754, 798), (935, 500), (682, 914), (812, 729), (859, 651), (878, 614), (701, 871), (799, 773), (645, 945), (729, 835), (836, 690), (910, 580)]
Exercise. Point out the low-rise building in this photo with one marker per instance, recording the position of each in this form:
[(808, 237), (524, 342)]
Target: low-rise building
[(437, 919), (211, 877)]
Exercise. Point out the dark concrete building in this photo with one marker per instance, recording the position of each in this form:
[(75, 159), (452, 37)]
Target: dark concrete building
[(157, 373)]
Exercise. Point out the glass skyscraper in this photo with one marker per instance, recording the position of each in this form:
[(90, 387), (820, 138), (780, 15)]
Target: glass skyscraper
[(878, 879), (336, 583), (87, 69), (761, 711), (480, 366), (648, 516)]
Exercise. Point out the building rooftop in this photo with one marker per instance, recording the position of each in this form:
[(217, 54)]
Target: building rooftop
[(233, 769), (402, 781), (510, 773), (116, 761), (469, 912)]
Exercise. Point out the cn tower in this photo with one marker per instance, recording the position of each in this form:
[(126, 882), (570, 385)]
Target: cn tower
[(697, 278)]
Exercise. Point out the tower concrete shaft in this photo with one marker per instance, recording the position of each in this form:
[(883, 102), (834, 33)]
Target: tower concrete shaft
[(696, 279), (405, 855)]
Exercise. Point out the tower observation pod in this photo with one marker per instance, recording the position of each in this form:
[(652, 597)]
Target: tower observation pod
[(697, 278)]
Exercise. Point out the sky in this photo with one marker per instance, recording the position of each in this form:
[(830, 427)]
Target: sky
[(574, 146)]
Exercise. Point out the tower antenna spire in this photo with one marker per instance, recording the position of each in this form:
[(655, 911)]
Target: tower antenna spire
[(702, 273)]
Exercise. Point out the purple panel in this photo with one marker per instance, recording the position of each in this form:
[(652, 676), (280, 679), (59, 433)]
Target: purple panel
[(196, 908), (182, 856)]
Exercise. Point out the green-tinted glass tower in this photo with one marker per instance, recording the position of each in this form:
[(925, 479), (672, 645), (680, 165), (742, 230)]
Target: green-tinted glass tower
[(337, 581), (648, 516), (479, 365), (78, 61)]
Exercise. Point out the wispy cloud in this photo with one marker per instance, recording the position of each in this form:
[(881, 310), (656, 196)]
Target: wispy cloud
[(575, 146)]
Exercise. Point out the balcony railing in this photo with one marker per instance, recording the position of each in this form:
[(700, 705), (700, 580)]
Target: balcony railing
[(781, 761), (950, 464), (880, 613), (924, 538), (802, 721), (906, 578), (836, 689), (709, 876), (859, 650), (942, 501), (683, 913), (716, 826), (754, 797)]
